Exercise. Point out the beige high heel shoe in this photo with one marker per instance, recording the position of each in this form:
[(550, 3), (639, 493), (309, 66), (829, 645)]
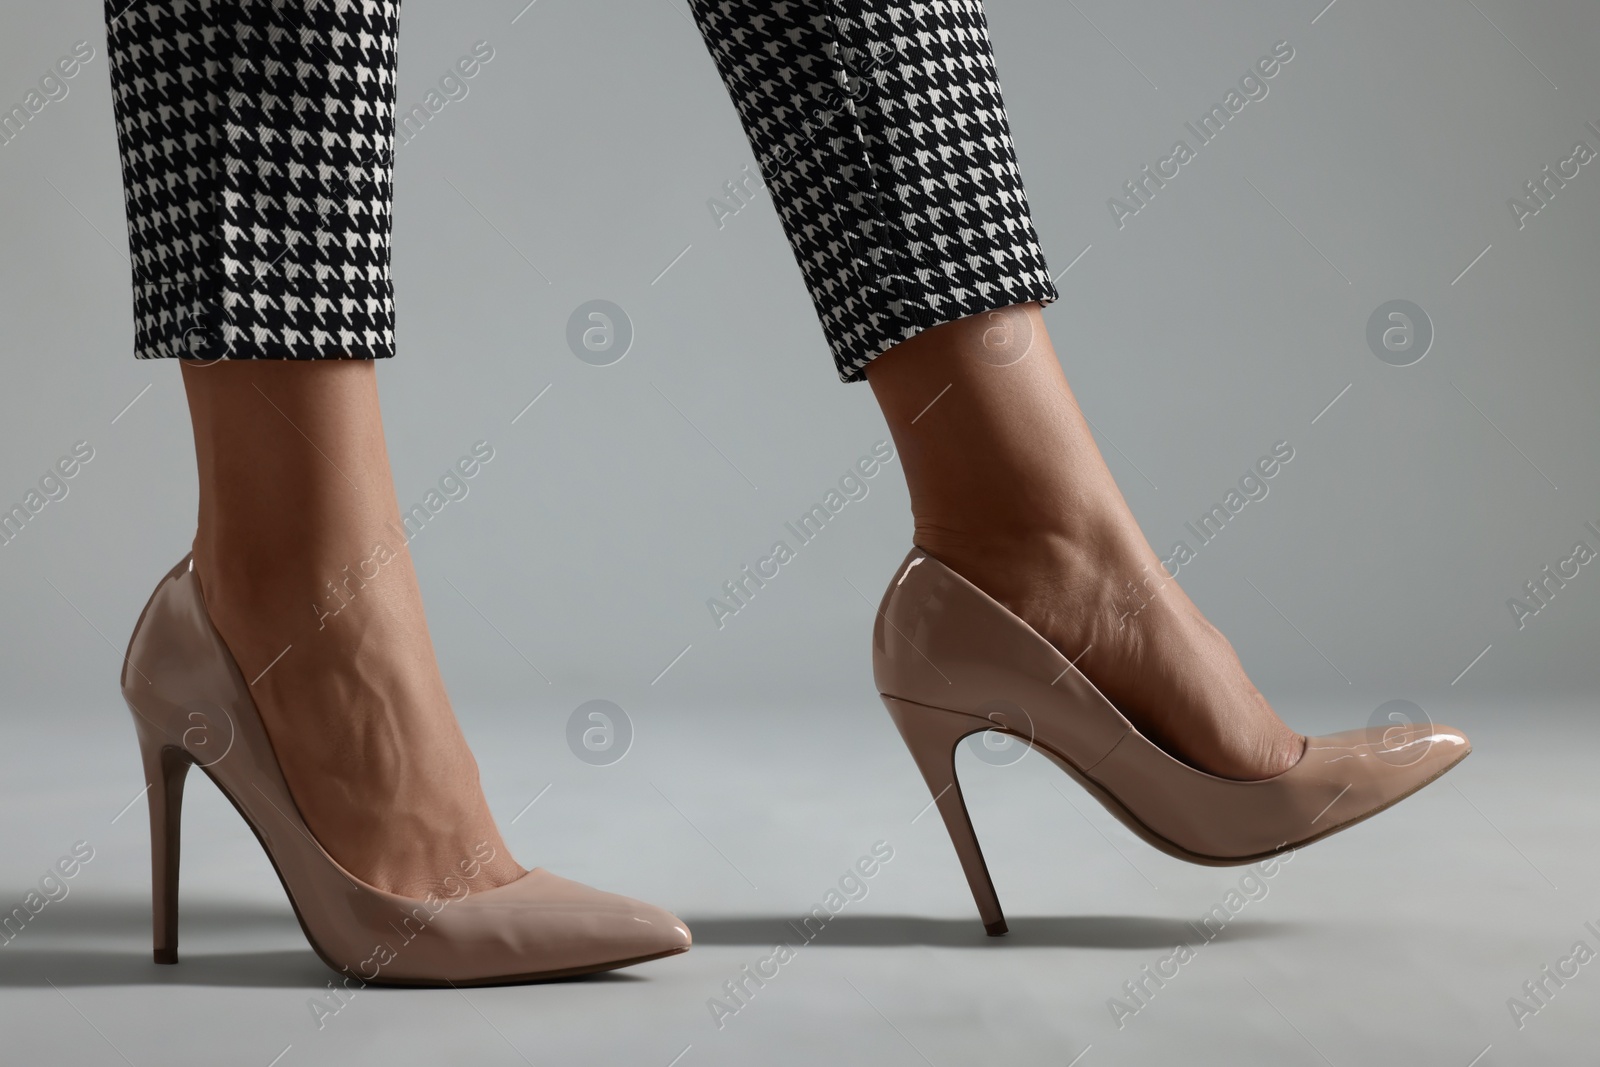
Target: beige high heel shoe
[(950, 661), (192, 707)]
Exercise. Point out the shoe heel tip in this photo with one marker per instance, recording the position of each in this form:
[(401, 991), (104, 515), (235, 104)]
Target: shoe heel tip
[(996, 928), (166, 955)]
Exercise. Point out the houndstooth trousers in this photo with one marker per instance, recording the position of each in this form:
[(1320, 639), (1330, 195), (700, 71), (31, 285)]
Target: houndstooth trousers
[(257, 146)]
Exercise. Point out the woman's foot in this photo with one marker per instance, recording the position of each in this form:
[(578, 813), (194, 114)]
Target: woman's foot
[(1009, 490), (306, 576)]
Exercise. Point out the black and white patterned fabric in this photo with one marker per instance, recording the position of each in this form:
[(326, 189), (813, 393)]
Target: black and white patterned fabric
[(881, 133), (257, 146), (257, 141)]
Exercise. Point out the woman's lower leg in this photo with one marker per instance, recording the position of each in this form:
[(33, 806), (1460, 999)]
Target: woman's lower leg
[(1009, 490), (303, 561)]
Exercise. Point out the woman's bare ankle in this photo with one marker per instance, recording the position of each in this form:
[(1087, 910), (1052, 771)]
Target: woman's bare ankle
[(1009, 489), (313, 592)]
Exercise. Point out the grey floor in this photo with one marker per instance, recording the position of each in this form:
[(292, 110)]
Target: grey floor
[(1400, 942)]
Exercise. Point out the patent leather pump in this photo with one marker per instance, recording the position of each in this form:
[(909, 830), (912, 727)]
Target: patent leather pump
[(950, 661), (192, 708)]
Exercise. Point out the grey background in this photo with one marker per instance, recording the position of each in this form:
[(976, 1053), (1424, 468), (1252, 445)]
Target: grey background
[(1224, 317), (1197, 336)]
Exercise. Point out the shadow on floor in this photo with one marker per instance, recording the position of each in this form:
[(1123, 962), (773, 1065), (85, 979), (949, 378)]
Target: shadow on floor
[(278, 969), (1028, 931), (65, 945), (99, 916)]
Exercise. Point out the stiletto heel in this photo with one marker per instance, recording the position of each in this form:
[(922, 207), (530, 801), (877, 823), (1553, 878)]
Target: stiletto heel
[(946, 655), (192, 707), (932, 735), (165, 769)]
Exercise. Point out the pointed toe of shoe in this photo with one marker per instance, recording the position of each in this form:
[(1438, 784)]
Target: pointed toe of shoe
[(669, 934), (562, 925), (541, 926), (1401, 754), (1422, 753), (643, 931), (1380, 765), (1441, 747)]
